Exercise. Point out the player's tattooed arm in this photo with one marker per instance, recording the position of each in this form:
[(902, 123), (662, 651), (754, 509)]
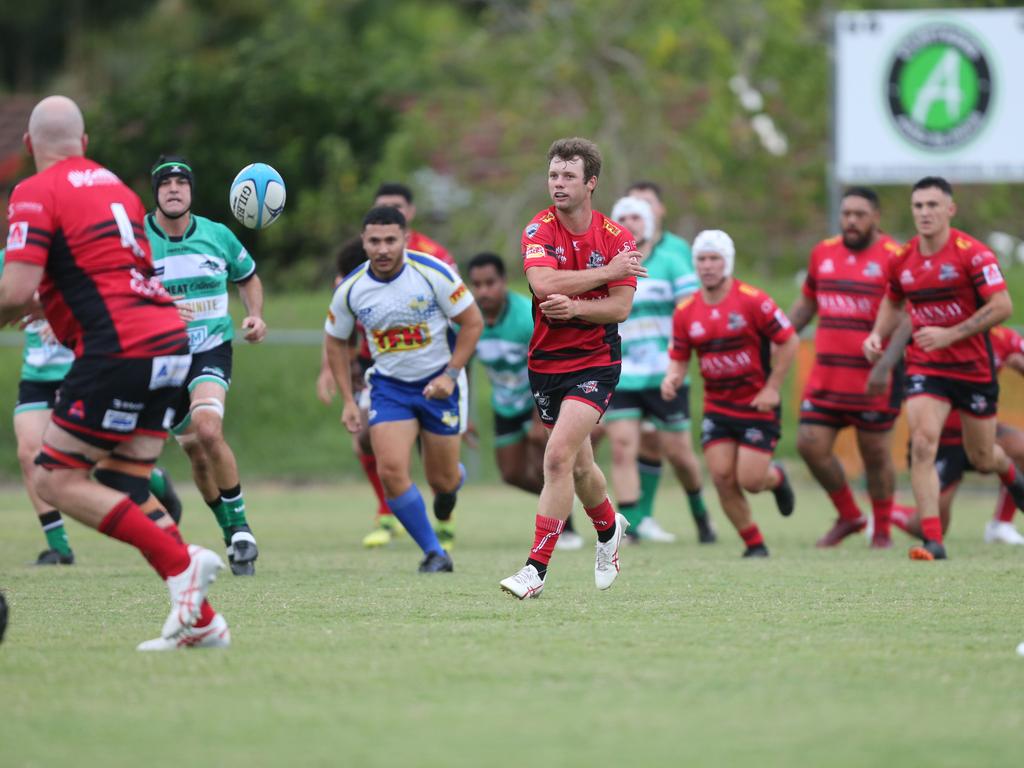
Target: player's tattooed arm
[(614, 308), (878, 379), (802, 312), (546, 281), (998, 308)]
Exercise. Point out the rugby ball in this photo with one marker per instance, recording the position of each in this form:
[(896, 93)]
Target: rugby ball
[(257, 196)]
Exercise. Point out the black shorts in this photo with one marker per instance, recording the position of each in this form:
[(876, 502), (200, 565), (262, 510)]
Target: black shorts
[(751, 433), (106, 400), (509, 430), (950, 463), (36, 395), (667, 415), (868, 421), (975, 398), (594, 386)]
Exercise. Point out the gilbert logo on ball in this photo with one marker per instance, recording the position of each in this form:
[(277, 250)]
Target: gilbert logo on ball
[(940, 87), (257, 196)]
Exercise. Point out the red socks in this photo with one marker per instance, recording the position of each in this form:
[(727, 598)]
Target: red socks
[(900, 515), (370, 468), (545, 536), (602, 516), (882, 512), (127, 523), (751, 535), (931, 529), (1005, 507), (845, 504)]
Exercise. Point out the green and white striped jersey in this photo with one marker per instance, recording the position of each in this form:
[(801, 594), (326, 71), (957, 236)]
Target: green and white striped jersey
[(43, 359), (648, 331), (502, 350), (195, 270)]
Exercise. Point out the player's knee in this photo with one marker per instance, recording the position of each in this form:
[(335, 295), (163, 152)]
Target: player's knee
[(558, 461), (209, 432), (982, 459), (27, 455), (723, 478), (751, 483), (923, 447), (809, 447)]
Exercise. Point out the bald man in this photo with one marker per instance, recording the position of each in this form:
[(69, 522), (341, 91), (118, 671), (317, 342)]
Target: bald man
[(76, 236)]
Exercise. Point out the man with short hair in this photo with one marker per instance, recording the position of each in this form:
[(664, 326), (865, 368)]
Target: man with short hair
[(745, 345), (666, 247), (845, 283), (406, 302), (645, 340), (519, 437), (395, 195), (195, 258), (77, 235), (582, 270), (956, 293)]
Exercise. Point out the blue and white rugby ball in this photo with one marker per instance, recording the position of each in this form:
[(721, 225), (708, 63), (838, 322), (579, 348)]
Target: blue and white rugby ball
[(257, 196)]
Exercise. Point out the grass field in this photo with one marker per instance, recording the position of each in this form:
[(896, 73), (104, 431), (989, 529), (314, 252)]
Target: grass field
[(347, 657)]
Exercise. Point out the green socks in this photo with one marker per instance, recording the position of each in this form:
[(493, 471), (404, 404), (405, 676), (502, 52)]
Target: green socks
[(631, 511), (650, 477), (697, 508), (234, 507), (53, 527)]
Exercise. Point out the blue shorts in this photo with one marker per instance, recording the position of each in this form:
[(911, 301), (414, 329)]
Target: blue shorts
[(393, 400)]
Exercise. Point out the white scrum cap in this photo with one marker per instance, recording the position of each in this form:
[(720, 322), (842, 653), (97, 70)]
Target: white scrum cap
[(626, 206), (715, 241)]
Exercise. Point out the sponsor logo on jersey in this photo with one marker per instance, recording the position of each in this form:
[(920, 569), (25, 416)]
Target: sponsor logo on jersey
[(872, 269), (977, 259), (827, 266), (588, 387), (127, 405), (119, 421), (457, 294), (547, 218), (938, 314), (767, 307), (210, 264), (948, 272), (92, 177), (978, 403), (420, 304), (169, 371), (402, 339), (531, 230), (842, 304), (781, 319), (616, 231), (992, 274), (916, 384), (736, 321), (535, 251), (726, 363), (331, 318), (696, 329), (595, 260), (17, 236), (77, 410), (25, 206), (753, 435)]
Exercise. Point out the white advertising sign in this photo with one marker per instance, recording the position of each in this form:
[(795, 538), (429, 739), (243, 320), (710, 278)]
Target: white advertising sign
[(921, 93)]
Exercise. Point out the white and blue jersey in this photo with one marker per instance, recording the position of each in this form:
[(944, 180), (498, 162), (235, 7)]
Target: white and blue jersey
[(406, 320)]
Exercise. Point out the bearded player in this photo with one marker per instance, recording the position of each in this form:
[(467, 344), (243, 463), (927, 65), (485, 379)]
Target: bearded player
[(846, 281)]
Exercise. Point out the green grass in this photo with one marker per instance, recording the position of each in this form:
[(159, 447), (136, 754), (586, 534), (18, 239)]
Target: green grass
[(347, 657)]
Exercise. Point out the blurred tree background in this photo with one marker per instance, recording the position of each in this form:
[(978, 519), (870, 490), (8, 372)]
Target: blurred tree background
[(724, 104)]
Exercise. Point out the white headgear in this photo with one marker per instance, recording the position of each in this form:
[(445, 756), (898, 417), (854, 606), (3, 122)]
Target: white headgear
[(715, 241), (639, 207)]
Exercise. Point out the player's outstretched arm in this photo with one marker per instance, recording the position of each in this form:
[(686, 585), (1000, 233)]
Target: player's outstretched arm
[(997, 308), (337, 352), (612, 309), (253, 324), (545, 281), (802, 312), (17, 289)]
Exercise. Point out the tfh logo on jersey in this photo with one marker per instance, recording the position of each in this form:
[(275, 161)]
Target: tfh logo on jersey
[(402, 339), (17, 236)]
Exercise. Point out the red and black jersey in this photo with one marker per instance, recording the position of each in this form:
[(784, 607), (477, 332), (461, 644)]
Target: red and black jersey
[(80, 222), (571, 345), (944, 289), (1005, 342), (419, 242), (733, 342), (848, 287)]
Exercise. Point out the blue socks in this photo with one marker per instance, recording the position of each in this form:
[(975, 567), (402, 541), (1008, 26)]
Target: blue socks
[(412, 513)]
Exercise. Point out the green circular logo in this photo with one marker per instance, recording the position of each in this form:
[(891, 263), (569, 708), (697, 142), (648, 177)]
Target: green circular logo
[(940, 87)]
